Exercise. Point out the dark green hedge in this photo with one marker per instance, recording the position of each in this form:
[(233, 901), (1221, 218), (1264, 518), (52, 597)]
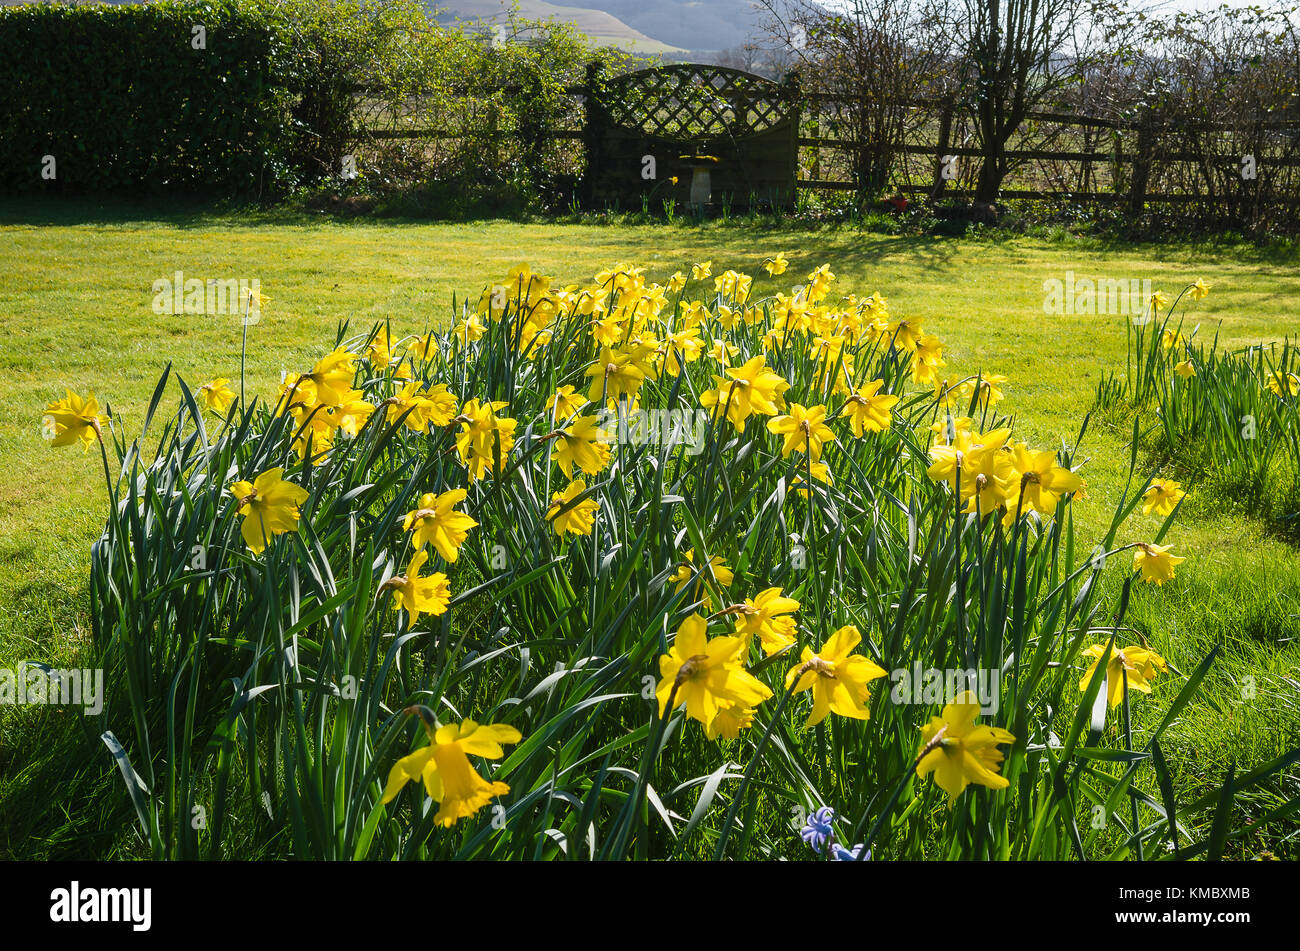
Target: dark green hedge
[(123, 101)]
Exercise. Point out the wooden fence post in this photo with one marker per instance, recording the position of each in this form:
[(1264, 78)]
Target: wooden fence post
[(1118, 176), (1137, 192), (945, 136), (816, 129)]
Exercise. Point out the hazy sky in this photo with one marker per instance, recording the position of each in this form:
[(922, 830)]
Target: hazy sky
[(1172, 6)]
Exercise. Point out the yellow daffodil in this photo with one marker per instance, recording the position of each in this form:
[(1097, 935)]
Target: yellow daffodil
[(768, 616), (733, 284), (1041, 481), (959, 751), (333, 375), (1137, 664), (1155, 562), (753, 388), (436, 522), (469, 329), (819, 283), (905, 334), (565, 402), (350, 415), (804, 429), (379, 351), (444, 766), (927, 360), (269, 506), (526, 287), (1284, 384), (1162, 497), (255, 300), (1184, 369), (987, 390), (989, 481), (423, 348), (581, 443), (700, 271), (579, 519), (682, 346), (1200, 290), (821, 472), (420, 595), (428, 407), (314, 432), (216, 395), (945, 430), (869, 409), (717, 567), (731, 719), (722, 352), (73, 419), (707, 675), (776, 264), (615, 375), (485, 439), (948, 394), (962, 458), (837, 677)]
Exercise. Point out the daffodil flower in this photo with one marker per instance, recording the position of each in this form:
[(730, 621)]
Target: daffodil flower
[(445, 769), (582, 443), (578, 519), (74, 419), (768, 616), (959, 751), (707, 675), (837, 677), (804, 428), (436, 522), (1137, 665), (216, 395), (1162, 497), (429, 594), (269, 506), (1155, 562), (776, 264)]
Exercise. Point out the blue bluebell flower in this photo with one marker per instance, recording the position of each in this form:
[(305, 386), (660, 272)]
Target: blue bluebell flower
[(819, 828)]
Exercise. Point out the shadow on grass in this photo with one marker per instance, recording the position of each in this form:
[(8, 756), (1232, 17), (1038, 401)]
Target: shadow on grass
[(866, 246), (850, 246), (62, 796)]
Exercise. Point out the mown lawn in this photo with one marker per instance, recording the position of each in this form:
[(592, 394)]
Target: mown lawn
[(75, 296)]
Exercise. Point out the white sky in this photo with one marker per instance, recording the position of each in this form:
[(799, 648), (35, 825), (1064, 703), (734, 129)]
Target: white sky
[(1173, 6)]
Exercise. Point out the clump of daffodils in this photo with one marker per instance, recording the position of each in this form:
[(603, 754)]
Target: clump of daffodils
[(799, 376)]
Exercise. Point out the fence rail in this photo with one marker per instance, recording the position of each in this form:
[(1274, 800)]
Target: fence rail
[(1135, 151)]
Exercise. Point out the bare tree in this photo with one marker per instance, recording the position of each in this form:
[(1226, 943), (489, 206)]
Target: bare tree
[(873, 60), (1018, 55)]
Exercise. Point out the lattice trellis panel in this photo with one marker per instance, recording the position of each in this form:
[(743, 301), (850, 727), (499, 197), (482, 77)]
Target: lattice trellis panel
[(694, 102)]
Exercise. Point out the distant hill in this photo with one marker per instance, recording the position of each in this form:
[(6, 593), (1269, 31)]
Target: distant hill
[(603, 28), (641, 26), (690, 24)]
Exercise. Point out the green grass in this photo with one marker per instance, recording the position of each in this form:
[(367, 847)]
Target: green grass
[(75, 293)]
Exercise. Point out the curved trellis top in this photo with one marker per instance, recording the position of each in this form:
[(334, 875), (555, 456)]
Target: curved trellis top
[(646, 133), (695, 102)]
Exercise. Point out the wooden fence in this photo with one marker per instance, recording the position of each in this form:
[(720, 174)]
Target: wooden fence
[(1121, 171)]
